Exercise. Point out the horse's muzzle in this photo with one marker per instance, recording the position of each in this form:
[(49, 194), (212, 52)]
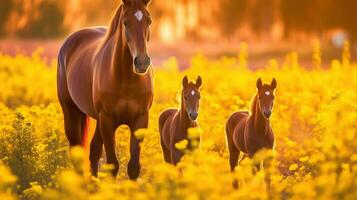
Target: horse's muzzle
[(141, 64), (267, 114), (193, 116)]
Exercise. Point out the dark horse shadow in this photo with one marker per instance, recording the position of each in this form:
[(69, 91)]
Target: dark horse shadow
[(249, 132), (174, 123), (105, 74)]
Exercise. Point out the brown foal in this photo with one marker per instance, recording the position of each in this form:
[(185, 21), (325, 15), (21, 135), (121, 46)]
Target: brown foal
[(249, 132), (174, 123)]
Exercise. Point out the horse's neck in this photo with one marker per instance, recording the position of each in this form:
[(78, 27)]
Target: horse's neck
[(185, 122), (260, 124), (122, 61)]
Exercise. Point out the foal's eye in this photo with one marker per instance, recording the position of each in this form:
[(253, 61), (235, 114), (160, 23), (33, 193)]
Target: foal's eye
[(185, 97)]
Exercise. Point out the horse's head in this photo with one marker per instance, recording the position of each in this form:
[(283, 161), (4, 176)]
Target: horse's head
[(136, 22), (191, 97), (266, 97)]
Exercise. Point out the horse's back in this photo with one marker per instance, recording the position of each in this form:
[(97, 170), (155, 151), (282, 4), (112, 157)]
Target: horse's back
[(75, 68), (79, 41)]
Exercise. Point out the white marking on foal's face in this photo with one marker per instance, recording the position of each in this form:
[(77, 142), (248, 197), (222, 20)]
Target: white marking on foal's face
[(139, 15), (193, 93), (267, 93)]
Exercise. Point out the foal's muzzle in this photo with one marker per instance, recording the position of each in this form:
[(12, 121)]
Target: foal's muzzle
[(141, 64), (267, 113), (193, 116)]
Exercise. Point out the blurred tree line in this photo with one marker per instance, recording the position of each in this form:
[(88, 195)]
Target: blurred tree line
[(31, 18), (53, 18), (310, 16)]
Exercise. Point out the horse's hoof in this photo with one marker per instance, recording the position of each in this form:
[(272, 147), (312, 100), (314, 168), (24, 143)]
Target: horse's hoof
[(133, 170)]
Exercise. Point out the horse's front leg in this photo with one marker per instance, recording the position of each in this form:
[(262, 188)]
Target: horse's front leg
[(96, 148), (107, 127), (134, 162), (176, 155)]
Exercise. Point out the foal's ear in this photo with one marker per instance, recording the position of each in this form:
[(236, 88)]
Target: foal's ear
[(273, 84), (259, 84), (199, 82), (146, 2), (185, 82)]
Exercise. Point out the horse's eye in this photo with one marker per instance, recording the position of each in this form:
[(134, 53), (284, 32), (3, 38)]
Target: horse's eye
[(185, 97), (125, 23)]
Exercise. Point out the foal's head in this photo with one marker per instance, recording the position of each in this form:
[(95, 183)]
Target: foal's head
[(191, 97), (136, 22), (266, 97)]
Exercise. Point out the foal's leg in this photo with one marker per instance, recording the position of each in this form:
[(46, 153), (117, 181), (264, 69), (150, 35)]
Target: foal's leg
[(176, 154), (74, 122), (107, 128), (232, 149), (134, 162), (165, 151), (96, 148)]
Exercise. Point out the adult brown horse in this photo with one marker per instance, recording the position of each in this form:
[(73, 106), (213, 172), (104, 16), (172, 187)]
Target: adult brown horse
[(105, 74), (249, 132), (174, 123)]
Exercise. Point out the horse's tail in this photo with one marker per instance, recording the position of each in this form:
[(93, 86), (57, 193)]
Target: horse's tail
[(86, 128)]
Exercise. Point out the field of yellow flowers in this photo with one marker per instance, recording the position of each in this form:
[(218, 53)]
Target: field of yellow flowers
[(314, 120)]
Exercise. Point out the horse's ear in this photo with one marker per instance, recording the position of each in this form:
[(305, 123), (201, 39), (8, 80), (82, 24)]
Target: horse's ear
[(259, 84), (199, 82), (126, 2), (146, 2), (273, 84), (185, 82)]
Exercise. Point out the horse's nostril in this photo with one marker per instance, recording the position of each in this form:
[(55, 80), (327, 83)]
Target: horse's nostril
[(147, 61), (136, 61)]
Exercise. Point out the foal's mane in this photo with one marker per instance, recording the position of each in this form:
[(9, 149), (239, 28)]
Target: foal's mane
[(253, 104)]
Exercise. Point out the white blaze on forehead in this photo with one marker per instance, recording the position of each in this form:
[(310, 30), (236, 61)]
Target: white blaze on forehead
[(193, 93), (267, 93), (139, 15)]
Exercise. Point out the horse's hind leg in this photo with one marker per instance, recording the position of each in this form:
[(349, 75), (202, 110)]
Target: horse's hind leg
[(232, 149), (166, 152), (96, 148), (74, 122), (233, 157)]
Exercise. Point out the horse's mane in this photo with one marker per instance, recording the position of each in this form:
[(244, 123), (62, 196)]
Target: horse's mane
[(114, 24), (253, 104)]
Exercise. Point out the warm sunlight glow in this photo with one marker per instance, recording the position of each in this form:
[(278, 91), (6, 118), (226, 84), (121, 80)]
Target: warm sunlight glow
[(167, 32)]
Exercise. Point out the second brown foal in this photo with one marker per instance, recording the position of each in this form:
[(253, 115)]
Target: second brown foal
[(174, 123), (249, 132)]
